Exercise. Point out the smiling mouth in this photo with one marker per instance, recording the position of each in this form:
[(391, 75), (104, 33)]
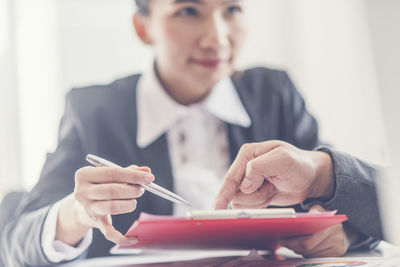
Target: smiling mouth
[(208, 63)]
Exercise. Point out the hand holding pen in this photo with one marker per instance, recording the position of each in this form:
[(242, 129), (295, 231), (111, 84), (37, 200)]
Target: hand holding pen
[(153, 188), (99, 193)]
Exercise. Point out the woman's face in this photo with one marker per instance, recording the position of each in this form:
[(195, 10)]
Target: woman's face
[(195, 41)]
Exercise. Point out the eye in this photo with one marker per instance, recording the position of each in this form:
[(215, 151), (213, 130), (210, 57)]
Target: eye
[(188, 11), (232, 10)]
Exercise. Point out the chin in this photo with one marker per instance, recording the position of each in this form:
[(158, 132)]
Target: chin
[(215, 75)]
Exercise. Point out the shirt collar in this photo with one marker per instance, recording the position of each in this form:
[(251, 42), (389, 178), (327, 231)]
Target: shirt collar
[(157, 111)]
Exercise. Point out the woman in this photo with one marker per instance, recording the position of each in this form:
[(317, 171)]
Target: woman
[(181, 123)]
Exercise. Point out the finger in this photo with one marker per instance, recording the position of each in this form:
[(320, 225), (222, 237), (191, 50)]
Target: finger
[(250, 206), (317, 209), (264, 167), (331, 251), (322, 246), (110, 233), (111, 192), (233, 179), (301, 245), (112, 207), (237, 170), (267, 201), (254, 177), (326, 252), (257, 197), (304, 244), (145, 169), (141, 168), (335, 245), (307, 245), (112, 175), (133, 167)]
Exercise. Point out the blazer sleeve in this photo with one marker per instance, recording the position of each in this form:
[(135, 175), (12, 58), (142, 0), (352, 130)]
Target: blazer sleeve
[(355, 191), (299, 128), (21, 239), (355, 195)]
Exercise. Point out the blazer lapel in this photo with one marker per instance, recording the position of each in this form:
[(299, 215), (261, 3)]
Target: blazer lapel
[(156, 156)]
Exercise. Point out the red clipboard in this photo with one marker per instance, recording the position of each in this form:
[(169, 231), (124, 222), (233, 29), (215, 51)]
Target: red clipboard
[(169, 232)]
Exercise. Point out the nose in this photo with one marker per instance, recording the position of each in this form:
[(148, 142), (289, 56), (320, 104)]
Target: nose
[(216, 33)]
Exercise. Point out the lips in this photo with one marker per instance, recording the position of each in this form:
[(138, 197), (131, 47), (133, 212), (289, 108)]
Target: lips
[(208, 63)]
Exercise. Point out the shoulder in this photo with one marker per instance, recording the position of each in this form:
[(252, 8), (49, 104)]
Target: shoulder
[(261, 73), (261, 80), (261, 83), (102, 104), (119, 88), (117, 95)]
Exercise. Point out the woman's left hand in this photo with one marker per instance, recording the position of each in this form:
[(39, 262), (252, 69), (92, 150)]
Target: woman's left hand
[(330, 242)]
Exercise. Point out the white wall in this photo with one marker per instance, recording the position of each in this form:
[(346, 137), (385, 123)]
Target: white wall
[(10, 168), (325, 45), (97, 41), (38, 73), (63, 44), (384, 23)]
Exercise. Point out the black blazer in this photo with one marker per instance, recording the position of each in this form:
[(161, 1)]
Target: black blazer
[(102, 120)]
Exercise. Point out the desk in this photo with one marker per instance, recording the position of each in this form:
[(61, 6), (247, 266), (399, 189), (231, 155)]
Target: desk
[(384, 255)]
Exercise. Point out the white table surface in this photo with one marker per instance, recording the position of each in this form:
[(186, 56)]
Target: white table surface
[(385, 255)]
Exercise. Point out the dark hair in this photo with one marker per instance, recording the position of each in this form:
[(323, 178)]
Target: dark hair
[(143, 6)]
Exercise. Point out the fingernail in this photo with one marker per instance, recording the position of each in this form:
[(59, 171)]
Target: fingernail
[(246, 183), (132, 240), (149, 178)]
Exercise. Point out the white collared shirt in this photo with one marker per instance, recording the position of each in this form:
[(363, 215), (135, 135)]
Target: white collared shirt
[(198, 147), (197, 136)]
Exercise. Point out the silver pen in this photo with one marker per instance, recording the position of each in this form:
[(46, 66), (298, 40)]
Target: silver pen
[(152, 187)]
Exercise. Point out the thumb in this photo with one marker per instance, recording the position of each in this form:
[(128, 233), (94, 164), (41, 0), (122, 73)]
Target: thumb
[(254, 175), (237, 171), (316, 209), (104, 223)]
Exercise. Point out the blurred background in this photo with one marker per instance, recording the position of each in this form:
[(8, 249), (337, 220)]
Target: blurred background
[(342, 55)]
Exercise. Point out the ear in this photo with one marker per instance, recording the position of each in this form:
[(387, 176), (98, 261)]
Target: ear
[(141, 26)]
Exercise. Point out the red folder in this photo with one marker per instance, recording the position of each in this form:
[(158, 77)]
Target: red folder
[(168, 232)]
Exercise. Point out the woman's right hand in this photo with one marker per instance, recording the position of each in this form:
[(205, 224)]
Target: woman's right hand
[(99, 193)]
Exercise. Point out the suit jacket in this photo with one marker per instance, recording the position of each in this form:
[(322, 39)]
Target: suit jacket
[(102, 120)]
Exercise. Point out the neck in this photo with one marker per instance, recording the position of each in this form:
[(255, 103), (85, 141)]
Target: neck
[(182, 93)]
